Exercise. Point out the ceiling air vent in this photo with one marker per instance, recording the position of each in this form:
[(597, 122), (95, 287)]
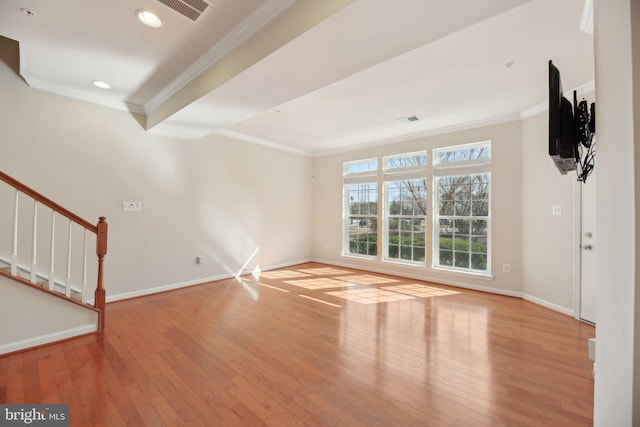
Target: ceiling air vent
[(192, 9)]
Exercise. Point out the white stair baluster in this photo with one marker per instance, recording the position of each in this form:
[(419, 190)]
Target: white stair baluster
[(52, 252), (84, 267), (14, 250), (67, 282), (34, 244)]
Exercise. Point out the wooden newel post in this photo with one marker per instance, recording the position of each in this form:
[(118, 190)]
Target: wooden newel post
[(101, 251)]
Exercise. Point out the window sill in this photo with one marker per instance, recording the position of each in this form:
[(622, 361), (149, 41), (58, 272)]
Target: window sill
[(361, 257)]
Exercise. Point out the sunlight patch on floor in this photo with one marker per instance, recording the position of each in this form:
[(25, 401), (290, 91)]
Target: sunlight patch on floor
[(317, 283), (420, 291), (370, 295), (368, 279), (272, 287)]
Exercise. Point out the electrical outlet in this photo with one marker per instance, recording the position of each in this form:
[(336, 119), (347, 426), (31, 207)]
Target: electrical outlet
[(506, 268), (200, 259), (556, 210), (131, 206)]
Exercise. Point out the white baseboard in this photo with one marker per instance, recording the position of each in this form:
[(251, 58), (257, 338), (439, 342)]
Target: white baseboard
[(285, 265), (547, 304), (423, 277), (46, 339), (165, 288), (200, 281)]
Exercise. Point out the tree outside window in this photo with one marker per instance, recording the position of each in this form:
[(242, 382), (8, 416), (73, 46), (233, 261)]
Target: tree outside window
[(463, 218), (406, 219)]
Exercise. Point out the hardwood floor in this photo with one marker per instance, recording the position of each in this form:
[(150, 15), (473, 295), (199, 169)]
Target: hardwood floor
[(256, 353)]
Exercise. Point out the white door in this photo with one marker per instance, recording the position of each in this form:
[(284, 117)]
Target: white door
[(588, 251)]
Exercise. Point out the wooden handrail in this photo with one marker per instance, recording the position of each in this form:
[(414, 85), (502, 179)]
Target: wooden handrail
[(48, 202)]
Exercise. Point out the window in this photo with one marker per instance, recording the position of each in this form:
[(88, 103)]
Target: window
[(361, 166), (362, 219), (467, 153), (360, 229), (387, 202), (406, 219), (462, 220), (405, 193), (405, 161)]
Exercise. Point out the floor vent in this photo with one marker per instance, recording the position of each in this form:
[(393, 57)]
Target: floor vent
[(192, 9)]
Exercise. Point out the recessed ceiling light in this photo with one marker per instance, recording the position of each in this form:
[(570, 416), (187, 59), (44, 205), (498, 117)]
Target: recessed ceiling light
[(149, 18), (101, 84)]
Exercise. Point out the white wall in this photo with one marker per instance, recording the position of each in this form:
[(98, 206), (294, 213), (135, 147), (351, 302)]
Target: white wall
[(506, 185), (548, 242), (23, 326), (216, 197), (617, 56)]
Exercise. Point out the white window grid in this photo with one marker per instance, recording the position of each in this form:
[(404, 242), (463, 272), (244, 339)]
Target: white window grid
[(464, 166), (362, 215), (408, 224), (365, 167), (382, 171)]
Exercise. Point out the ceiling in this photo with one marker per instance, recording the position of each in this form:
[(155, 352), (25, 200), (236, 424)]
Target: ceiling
[(311, 77)]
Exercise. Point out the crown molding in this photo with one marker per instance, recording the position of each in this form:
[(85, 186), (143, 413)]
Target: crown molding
[(264, 142), (422, 134)]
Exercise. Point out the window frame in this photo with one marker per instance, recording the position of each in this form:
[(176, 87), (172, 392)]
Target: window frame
[(432, 172), (393, 174), (346, 216), (462, 168), (369, 172), (359, 177), (388, 217), (437, 164), (387, 169)]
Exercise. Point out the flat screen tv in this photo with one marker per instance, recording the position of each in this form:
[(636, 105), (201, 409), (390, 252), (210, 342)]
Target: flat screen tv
[(562, 146)]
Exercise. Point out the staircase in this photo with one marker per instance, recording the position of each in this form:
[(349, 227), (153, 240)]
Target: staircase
[(24, 275), (49, 247)]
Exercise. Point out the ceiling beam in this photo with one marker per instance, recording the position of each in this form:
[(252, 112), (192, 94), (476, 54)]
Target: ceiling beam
[(294, 21)]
